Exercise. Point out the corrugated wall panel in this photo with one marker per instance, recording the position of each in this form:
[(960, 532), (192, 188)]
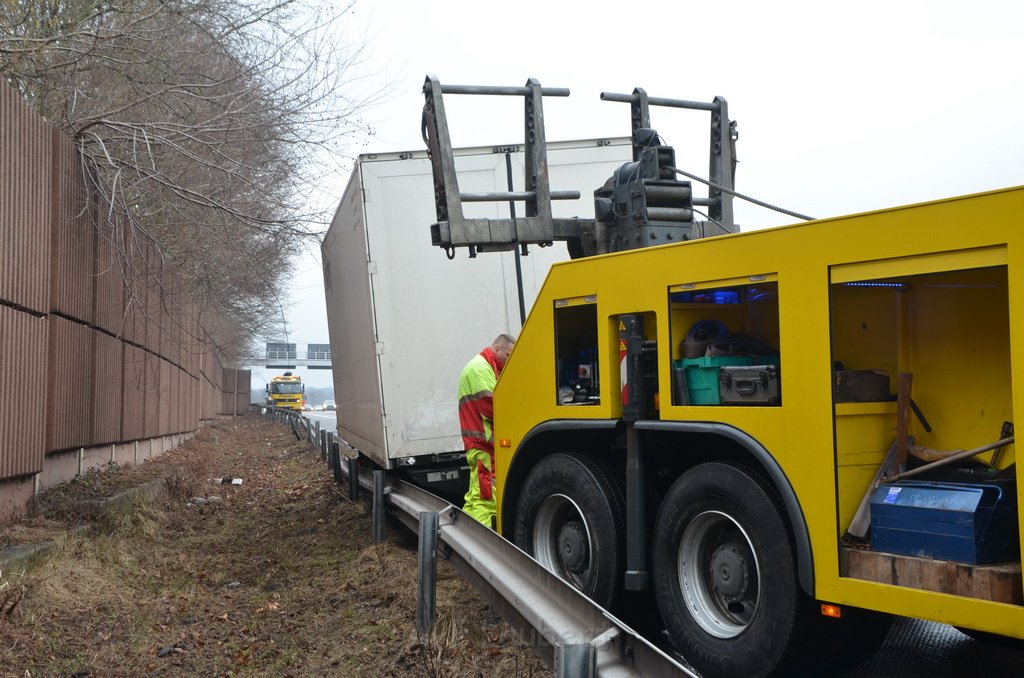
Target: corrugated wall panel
[(170, 336), (227, 403), (184, 384), (134, 394), (228, 380), (174, 398), (198, 386), (154, 300), (152, 413), (109, 291), (166, 388), (22, 392), (194, 404), (136, 301), (107, 385), (244, 377), (206, 399), (213, 402), (72, 234), (69, 395), (191, 347), (25, 176), (205, 386), (211, 397), (189, 413), (242, 405), (134, 318)]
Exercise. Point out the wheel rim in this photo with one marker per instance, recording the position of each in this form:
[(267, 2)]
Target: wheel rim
[(719, 575), (561, 539)]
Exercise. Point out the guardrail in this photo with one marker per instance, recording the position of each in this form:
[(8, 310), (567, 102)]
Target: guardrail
[(576, 637)]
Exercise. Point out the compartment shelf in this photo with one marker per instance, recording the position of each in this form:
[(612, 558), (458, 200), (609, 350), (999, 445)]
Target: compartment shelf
[(999, 583)]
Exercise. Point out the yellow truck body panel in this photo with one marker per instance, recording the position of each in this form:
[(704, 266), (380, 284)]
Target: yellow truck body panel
[(935, 290)]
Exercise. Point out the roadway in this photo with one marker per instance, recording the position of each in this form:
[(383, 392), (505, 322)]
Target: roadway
[(920, 649), (326, 418), (913, 649)]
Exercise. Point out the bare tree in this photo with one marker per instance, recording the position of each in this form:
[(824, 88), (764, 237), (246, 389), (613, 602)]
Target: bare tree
[(202, 121)]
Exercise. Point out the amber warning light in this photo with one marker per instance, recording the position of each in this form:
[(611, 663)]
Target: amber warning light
[(828, 610)]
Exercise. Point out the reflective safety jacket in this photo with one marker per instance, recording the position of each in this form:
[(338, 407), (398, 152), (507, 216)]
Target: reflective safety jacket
[(476, 400)]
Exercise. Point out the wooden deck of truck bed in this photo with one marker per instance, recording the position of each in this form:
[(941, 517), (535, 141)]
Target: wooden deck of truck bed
[(999, 583)]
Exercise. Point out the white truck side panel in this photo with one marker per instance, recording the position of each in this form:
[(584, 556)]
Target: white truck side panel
[(412, 318), (351, 325)]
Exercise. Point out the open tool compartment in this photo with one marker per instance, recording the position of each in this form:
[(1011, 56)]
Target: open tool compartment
[(726, 328), (948, 327)]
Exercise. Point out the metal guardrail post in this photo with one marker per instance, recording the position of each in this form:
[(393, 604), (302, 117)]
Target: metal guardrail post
[(548, 611), (426, 593), (378, 506), (353, 479), (578, 660), (336, 461)]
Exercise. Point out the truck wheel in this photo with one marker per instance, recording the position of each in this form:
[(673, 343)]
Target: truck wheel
[(725, 576), (570, 518)]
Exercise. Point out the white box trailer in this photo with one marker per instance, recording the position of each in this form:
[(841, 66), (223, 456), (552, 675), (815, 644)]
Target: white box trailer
[(403, 319)]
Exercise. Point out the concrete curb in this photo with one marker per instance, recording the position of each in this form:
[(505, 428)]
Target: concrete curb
[(26, 556)]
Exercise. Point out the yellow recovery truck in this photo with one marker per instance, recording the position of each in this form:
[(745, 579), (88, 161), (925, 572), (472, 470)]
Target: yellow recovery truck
[(287, 391), (710, 425)]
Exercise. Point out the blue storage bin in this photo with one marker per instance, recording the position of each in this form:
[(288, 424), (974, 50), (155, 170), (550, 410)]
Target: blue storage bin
[(974, 523)]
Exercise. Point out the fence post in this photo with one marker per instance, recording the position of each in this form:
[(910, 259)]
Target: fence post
[(378, 506), (577, 660), (336, 461), (426, 595)]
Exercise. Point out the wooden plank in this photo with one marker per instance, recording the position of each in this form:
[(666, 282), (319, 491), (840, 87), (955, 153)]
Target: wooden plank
[(999, 583), (903, 387)]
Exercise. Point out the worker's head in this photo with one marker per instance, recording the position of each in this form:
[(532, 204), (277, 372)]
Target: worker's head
[(502, 347)]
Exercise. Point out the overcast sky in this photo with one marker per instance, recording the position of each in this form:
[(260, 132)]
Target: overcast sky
[(841, 107)]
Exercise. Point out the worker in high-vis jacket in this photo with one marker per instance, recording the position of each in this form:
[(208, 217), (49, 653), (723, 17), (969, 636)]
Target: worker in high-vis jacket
[(476, 417)]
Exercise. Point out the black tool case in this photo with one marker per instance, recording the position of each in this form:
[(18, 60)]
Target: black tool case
[(749, 385)]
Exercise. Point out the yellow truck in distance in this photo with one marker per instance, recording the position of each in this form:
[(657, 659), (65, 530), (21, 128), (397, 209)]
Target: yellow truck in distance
[(701, 433), (287, 391)]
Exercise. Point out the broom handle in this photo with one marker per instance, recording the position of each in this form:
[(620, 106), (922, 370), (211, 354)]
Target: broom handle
[(951, 458)]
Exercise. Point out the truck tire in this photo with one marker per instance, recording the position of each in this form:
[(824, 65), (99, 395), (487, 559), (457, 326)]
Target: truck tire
[(725, 575), (570, 518)]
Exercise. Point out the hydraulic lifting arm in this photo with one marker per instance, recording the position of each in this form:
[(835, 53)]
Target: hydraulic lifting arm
[(642, 204)]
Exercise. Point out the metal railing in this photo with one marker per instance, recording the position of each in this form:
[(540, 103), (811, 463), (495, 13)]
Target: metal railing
[(297, 355), (573, 634)]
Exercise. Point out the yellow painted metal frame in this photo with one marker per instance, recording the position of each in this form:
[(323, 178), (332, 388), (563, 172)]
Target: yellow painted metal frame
[(805, 260)]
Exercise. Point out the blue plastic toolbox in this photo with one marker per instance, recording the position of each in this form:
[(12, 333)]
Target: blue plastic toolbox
[(959, 522)]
